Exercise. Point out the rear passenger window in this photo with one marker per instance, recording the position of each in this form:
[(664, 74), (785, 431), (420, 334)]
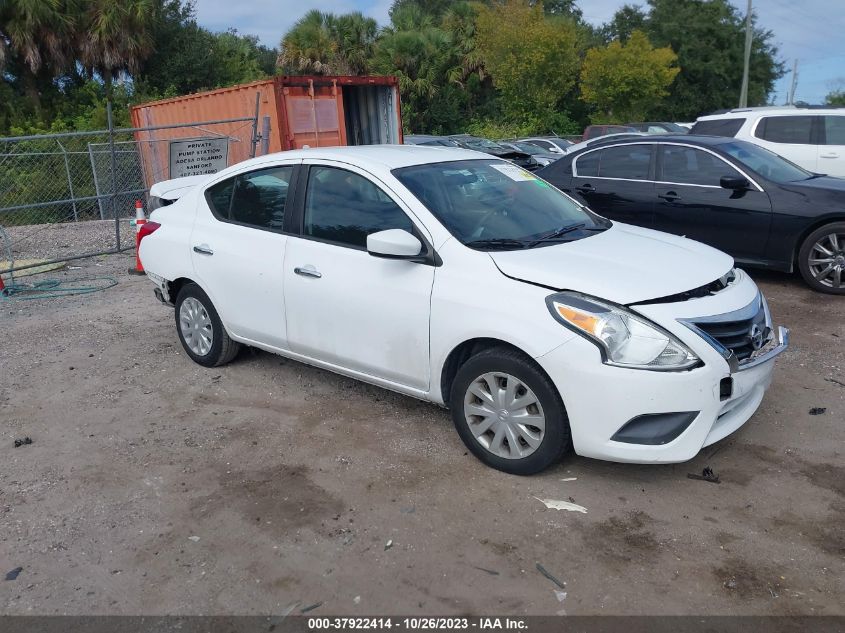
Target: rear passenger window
[(834, 130), (718, 127), (795, 130), (260, 196), (256, 199), (630, 162), (343, 207), (587, 165), (219, 198)]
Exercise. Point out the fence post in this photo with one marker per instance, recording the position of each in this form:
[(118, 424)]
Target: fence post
[(69, 180), (265, 135), (113, 178), (255, 137)]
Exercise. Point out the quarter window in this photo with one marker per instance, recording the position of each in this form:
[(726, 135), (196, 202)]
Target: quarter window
[(718, 127), (625, 161), (344, 208), (256, 199), (587, 165), (795, 130), (690, 166), (834, 130)]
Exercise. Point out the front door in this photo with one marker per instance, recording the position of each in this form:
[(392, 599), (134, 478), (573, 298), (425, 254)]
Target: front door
[(691, 202), (344, 306)]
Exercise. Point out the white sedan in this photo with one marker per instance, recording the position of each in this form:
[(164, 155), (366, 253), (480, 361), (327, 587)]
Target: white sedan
[(459, 278)]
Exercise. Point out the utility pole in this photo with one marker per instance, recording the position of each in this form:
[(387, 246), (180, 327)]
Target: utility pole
[(743, 95), (794, 84)]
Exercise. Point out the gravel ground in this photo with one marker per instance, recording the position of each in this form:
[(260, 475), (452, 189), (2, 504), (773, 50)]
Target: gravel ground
[(155, 486), (52, 241)]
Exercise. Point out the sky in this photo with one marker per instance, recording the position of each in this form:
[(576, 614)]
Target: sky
[(810, 31)]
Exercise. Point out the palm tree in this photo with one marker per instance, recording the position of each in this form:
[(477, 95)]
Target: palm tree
[(40, 34), (308, 47), (115, 37), (326, 44)]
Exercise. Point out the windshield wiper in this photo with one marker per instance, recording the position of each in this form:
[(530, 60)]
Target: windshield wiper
[(498, 242), (559, 233)]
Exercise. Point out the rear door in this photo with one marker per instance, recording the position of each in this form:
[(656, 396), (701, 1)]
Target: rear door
[(831, 151), (617, 182), (691, 202), (792, 136), (238, 247)]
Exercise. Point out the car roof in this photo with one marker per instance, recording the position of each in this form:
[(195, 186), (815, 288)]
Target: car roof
[(376, 156), (771, 110), (688, 139)]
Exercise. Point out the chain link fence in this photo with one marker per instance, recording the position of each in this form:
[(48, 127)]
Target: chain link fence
[(70, 195)]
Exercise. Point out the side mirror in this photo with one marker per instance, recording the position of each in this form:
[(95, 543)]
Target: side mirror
[(393, 244), (737, 183)]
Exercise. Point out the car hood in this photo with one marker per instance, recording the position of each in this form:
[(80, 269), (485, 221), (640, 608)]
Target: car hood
[(624, 264), (825, 183)]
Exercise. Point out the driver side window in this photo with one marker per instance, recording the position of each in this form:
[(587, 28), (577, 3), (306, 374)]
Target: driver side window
[(344, 207), (690, 166)]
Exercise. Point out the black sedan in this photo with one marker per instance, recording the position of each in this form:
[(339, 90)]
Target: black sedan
[(733, 195)]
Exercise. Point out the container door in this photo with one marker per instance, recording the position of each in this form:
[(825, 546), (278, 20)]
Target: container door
[(313, 115)]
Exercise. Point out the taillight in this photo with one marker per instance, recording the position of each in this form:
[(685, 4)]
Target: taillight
[(147, 229)]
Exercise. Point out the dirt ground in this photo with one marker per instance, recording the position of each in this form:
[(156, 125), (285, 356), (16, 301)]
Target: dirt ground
[(155, 486)]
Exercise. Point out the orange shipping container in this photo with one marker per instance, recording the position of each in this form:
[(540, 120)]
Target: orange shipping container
[(293, 112)]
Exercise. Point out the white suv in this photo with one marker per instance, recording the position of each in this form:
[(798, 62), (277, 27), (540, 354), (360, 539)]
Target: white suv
[(810, 137)]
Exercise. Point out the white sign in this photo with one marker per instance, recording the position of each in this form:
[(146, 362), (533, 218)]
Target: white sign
[(514, 172), (198, 156)]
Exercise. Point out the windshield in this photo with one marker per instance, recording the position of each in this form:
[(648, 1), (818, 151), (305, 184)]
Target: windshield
[(493, 204), (766, 163), (527, 148), (481, 143)]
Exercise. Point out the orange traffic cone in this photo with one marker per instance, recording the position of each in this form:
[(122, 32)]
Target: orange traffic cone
[(140, 220), (2, 286)]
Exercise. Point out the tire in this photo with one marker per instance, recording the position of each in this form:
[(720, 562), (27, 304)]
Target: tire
[(500, 365), (202, 327), (813, 259)]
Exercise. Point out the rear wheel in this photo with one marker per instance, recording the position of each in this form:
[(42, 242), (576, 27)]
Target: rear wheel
[(821, 259), (508, 412), (200, 330)]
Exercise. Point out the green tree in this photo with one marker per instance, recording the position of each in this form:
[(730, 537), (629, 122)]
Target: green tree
[(835, 98), (625, 81), (708, 37), (36, 38), (115, 37), (625, 21), (533, 60), (187, 58), (326, 44)]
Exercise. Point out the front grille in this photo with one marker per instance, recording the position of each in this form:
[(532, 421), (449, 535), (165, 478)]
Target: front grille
[(736, 335)]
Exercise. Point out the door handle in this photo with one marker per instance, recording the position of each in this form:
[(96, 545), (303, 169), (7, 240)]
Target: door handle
[(669, 196), (203, 249), (308, 271), (831, 155), (588, 188)]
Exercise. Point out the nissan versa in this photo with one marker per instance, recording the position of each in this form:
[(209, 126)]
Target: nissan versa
[(460, 278)]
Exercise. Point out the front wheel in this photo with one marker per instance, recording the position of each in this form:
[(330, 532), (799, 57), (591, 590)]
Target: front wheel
[(508, 412), (200, 330), (821, 259)]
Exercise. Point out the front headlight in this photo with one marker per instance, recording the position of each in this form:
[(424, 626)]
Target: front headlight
[(624, 338)]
